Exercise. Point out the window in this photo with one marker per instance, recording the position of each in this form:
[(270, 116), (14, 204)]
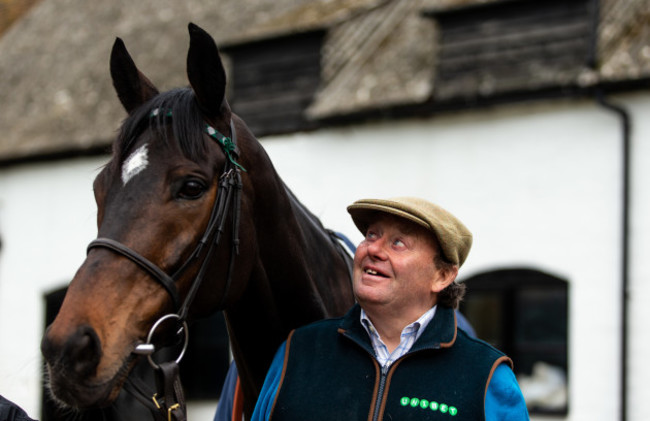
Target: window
[(524, 313), (273, 81), (511, 46), (203, 370)]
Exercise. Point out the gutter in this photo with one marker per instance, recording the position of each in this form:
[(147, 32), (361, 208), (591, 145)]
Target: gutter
[(623, 114), (625, 232)]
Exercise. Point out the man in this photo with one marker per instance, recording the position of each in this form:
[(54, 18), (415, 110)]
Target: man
[(397, 355), (9, 411)]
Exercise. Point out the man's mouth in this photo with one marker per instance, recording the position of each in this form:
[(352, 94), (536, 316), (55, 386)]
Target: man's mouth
[(373, 272)]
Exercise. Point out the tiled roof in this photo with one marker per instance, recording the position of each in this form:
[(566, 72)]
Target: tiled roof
[(12, 10), (624, 44), (57, 96)]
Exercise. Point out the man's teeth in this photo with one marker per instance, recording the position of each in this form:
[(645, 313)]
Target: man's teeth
[(371, 272)]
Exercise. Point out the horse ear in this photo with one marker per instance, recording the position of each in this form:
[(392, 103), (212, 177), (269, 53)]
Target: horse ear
[(132, 87), (205, 71)]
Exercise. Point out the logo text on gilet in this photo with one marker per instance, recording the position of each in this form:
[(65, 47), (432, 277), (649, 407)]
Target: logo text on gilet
[(430, 405)]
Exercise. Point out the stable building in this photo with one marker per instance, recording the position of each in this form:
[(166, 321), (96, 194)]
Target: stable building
[(527, 119)]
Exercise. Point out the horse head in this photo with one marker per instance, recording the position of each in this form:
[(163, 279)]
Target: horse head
[(186, 181), (156, 200)]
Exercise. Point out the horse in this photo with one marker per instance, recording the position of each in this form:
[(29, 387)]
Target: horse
[(185, 176)]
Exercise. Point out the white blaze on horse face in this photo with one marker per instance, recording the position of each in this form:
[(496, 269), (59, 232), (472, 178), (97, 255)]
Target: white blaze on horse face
[(135, 163)]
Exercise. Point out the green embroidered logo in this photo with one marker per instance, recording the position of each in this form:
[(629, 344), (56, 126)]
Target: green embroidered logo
[(431, 405)]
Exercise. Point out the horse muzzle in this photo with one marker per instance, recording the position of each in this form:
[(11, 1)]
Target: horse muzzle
[(72, 364)]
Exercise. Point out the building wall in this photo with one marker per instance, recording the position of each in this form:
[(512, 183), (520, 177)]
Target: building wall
[(539, 186), (47, 216)]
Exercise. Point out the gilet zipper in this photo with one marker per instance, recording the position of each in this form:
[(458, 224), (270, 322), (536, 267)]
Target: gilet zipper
[(380, 391)]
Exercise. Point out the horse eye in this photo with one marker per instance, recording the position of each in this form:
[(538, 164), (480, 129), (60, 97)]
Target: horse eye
[(192, 189)]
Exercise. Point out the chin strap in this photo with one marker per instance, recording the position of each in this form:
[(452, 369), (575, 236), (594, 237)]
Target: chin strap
[(171, 406), (168, 404)]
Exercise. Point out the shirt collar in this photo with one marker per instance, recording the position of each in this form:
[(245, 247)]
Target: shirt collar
[(417, 326)]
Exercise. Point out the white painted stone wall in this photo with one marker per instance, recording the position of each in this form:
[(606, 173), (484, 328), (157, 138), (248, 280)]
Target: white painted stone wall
[(47, 215), (539, 186)]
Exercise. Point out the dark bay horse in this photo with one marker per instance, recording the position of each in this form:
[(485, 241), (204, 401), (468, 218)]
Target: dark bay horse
[(165, 233)]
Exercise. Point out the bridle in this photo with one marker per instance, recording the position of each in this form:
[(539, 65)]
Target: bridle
[(171, 406)]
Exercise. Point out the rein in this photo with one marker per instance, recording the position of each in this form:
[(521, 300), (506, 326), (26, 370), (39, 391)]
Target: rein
[(171, 405)]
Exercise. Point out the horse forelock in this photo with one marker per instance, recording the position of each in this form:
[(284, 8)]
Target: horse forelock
[(177, 110)]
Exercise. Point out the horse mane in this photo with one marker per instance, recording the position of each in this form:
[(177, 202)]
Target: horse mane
[(177, 109), (309, 220)]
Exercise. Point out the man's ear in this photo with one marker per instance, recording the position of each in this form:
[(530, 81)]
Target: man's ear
[(444, 278)]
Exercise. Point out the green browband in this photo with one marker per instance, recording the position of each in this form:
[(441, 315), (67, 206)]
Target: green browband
[(226, 143)]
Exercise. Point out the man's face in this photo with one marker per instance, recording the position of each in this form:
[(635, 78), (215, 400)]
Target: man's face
[(394, 270)]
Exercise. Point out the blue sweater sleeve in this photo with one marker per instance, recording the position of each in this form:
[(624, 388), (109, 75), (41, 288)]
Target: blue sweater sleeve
[(504, 400), (267, 395)]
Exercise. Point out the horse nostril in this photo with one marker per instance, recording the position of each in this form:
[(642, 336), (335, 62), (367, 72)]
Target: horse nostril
[(79, 355), (86, 353)]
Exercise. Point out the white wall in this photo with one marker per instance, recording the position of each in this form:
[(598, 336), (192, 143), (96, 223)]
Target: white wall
[(47, 216), (539, 186)]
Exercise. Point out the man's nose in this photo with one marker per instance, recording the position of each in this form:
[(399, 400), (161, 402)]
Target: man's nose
[(377, 249)]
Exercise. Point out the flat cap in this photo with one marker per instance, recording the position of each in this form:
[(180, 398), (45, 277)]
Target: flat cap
[(454, 238)]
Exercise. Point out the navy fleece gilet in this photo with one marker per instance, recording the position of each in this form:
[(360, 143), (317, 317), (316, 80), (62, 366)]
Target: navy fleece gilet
[(330, 372)]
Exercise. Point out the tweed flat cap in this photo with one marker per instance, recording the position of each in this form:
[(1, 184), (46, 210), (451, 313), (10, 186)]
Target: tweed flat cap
[(454, 238)]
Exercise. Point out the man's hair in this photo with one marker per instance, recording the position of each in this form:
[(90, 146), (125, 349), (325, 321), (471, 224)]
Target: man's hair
[(454, 293)]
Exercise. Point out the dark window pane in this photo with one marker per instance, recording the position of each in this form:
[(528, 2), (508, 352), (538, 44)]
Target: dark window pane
[(274, 81), (505, 46), (525, 314)]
